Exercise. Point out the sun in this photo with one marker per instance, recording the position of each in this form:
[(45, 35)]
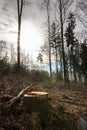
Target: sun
[(31, 36)]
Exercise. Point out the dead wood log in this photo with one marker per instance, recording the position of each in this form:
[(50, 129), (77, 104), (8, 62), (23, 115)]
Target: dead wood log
[(17, 98), (72, 102)]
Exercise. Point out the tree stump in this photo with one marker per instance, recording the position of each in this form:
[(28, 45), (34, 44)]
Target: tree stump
[(37, 102)]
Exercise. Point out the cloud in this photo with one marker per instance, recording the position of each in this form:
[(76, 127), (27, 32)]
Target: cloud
[(8, 16), (13, 32), (8, 20), (4, 24), (1, 29)]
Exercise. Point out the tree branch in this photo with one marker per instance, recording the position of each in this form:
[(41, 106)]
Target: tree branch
[(19, 96)]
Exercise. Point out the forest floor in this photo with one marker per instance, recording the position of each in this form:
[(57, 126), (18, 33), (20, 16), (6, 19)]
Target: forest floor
[(73, 101)]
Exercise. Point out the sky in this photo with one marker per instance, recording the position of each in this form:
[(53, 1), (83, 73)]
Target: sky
[(33, 25)]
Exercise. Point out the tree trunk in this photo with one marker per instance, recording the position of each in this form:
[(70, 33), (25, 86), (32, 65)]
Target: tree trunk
[(20, 8), (56, 61), (61, 70), (63, 52), (18, 46), (48, 15), (74, 71)]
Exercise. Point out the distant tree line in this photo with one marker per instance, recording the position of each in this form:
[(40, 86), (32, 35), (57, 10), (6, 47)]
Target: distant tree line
[(8, 60), (29, 69)]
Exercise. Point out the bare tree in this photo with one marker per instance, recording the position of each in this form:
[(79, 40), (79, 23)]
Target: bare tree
[(20, 4), (63, 6), (40, 59), (54, 44), (47, 2), (12, 54), (81, 12), (3, 50)]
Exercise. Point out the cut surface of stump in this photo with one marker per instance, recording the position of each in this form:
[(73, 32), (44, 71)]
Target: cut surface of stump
[(37, 101), (37, 94)]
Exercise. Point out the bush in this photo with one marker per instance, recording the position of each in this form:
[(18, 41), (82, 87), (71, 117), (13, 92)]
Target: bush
[(39, 76), (23, 68), (4, 67)]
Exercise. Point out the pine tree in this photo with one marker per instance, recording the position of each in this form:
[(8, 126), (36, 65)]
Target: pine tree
[(83, 56), (55, 45), (71, 42), (40, 59)]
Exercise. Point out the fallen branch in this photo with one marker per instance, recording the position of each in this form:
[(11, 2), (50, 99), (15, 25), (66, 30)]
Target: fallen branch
[(14, 100), (72, 102)]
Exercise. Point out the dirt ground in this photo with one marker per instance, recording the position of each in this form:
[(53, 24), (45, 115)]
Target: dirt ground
[(74, 101)]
